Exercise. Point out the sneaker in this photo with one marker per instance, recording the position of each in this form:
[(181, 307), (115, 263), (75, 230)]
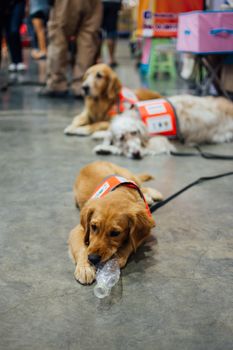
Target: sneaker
[(21, 67), (12, 67), (38, 55), (34, 53)]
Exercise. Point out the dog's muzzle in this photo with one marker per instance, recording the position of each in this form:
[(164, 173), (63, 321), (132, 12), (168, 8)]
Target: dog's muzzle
[(86, 90), (94, 258)]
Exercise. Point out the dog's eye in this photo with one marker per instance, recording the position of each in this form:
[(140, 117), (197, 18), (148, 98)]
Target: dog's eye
[(134, 133), (122, 137), (114, 233), (99, 76), (93, 227)]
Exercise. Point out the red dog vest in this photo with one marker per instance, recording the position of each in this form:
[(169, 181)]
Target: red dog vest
[(158, 114), (112, 182), (159, 117)]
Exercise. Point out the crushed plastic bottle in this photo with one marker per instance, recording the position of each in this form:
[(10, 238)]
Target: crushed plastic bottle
[(107, 276)]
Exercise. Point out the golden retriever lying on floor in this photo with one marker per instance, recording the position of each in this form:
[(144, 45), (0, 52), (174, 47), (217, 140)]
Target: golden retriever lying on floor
[(116, 224), (101, 88)]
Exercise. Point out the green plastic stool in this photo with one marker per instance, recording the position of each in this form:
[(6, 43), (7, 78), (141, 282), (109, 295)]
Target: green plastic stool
[(162, 59)]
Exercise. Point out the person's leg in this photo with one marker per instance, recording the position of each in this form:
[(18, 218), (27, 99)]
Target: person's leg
[(57, 53), (64, 19), (88, 41), (111, 43), (32, 34), (13, 24), (112, 10), (39, 27), (103, 32)]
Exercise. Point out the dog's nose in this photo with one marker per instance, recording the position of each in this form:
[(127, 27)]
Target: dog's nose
[(137, 155), (94, 258), (86, 89)]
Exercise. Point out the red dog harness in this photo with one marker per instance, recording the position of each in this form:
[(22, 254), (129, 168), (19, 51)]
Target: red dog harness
[(125, 100), (112, 182)]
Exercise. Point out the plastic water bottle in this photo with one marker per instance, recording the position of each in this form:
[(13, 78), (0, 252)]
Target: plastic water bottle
[(107, 276)]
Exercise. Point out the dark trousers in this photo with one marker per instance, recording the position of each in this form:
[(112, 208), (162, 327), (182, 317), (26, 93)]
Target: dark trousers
[(11, 24)]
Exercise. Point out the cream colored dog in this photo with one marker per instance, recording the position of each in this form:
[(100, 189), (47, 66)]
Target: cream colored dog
[(201, 120)]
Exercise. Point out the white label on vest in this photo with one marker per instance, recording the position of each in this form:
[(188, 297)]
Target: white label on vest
[(156, 108), (121, 179), (159, 124), (101, 190)]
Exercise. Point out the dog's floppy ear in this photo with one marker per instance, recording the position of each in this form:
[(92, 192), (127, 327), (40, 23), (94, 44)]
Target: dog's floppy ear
[(140, 225), (85, 218), (143, 131), (114, 86)]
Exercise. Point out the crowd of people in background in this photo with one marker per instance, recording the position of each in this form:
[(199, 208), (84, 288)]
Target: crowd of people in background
[(57, 27), (53, 26)]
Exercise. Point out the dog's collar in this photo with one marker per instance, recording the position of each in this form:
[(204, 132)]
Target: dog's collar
[(112, 182)]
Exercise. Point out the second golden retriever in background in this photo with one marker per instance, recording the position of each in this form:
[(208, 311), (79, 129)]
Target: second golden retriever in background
[(114, 225), (101, 87)]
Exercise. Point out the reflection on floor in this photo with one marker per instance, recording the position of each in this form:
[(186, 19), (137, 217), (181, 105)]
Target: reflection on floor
[(175, 293)]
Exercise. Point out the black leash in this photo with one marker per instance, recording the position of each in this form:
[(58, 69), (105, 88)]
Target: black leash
[(205, 155), (158, 205)]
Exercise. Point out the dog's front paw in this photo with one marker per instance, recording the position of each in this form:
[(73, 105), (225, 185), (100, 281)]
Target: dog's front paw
[(156, 195), (85, 274), (107, 149), (83, 131), (80, 131), (69, 130), (151, 195), (100, 135), (102, 149)]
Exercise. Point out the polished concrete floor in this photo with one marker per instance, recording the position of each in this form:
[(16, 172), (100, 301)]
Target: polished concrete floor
[(175, 293)]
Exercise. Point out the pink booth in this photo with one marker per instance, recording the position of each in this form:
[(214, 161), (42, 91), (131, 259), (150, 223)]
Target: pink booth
[(209, 36), (205, 32)]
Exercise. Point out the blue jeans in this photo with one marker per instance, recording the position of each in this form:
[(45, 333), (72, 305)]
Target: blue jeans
[(13, 22)]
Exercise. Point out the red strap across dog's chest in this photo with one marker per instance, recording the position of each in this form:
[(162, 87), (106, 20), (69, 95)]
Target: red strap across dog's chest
[(112, 182), (126, 98)]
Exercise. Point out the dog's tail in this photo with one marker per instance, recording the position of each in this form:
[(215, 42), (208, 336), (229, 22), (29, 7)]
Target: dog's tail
[(145, 177)]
